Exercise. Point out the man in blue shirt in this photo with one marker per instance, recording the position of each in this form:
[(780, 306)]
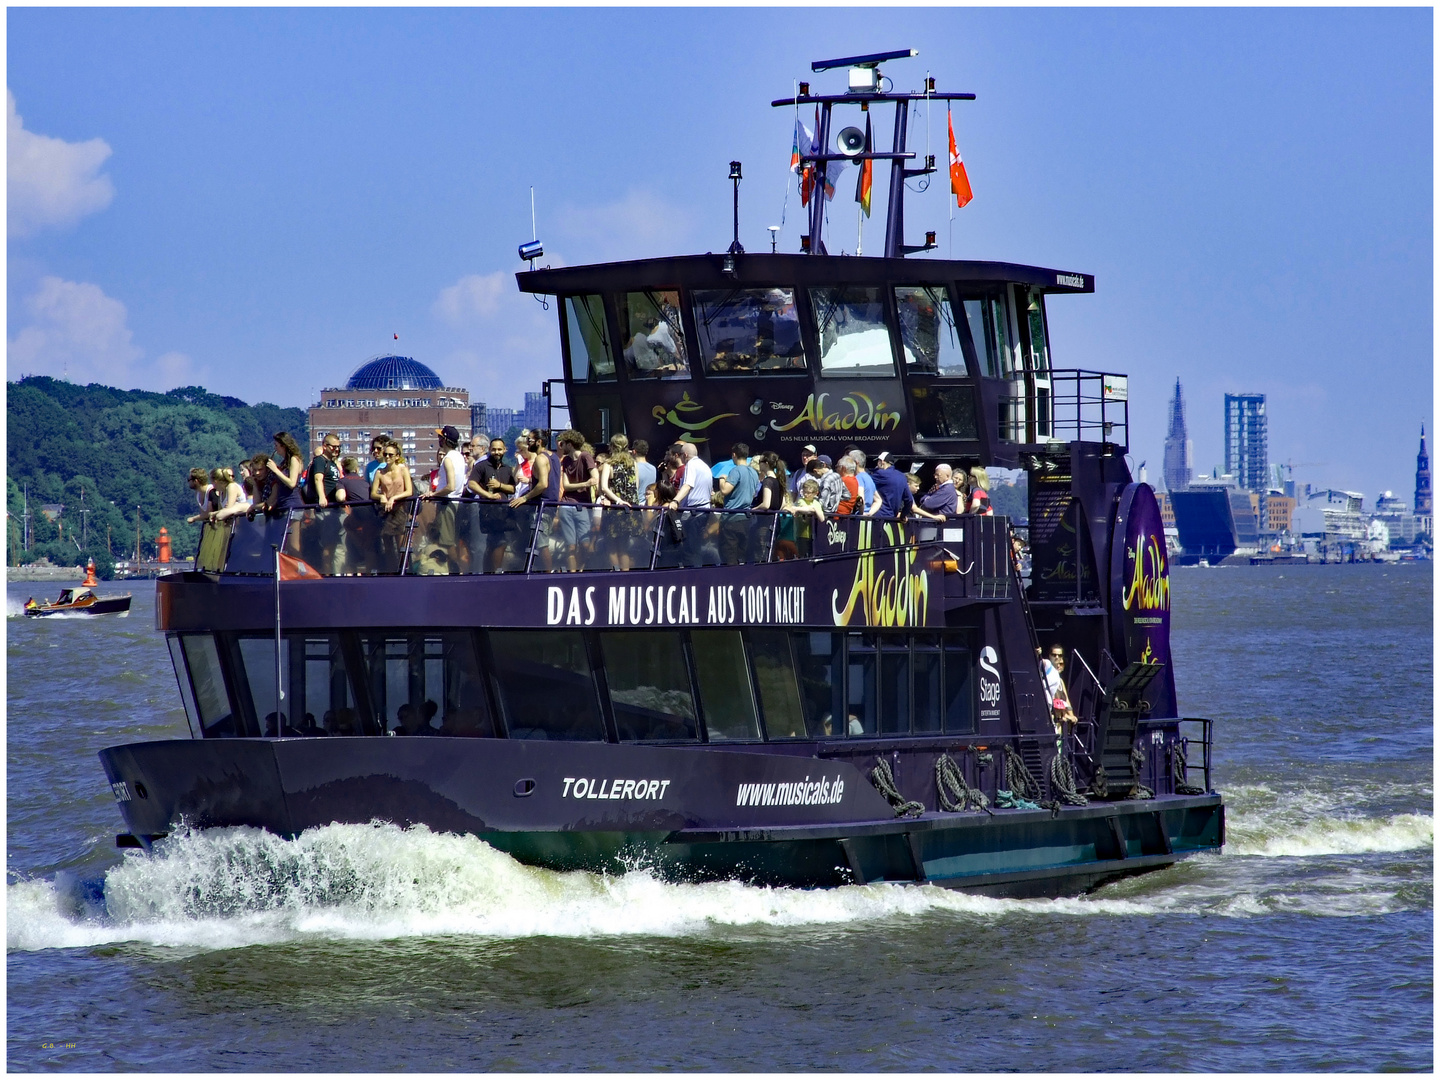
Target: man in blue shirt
[(895, 497), (739, 485), (644, 471), (867, 483)]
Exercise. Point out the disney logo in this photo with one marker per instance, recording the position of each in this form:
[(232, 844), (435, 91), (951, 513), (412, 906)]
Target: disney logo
[(782, 406)]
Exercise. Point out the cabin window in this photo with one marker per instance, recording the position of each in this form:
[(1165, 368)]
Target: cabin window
[(959, 695), (588, 339), (775, 678), (210, 701), (187, 693), (426, 683), (654, 337), (862, 689), (748, 331), (850, 325), (547, 689), (894, 718), (649, 685), (928, 706), (990, 331), (723, 679), (1033, 330), (944, 412), (319, 699), (928, 333), (818, 665)]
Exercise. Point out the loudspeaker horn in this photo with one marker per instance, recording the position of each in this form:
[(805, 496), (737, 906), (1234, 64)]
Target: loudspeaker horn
[(850, 141)]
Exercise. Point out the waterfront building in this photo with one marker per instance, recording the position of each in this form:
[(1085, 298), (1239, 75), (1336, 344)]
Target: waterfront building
[(390, 395), (1424, 501), (1279, 512), (1215, 519), (1246, 441), (1333, 520), (1398, 518), (1179, 453)]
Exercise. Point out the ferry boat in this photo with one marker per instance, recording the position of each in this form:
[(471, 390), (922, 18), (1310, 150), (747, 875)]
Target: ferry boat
[(602, 691)]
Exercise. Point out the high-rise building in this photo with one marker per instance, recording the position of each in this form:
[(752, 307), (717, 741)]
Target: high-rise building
[(537, 410), (390, 395), (1179, 454), (1247, 454), (1424, 501)]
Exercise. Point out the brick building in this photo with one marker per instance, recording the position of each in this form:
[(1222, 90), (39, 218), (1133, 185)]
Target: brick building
[(390, 395)]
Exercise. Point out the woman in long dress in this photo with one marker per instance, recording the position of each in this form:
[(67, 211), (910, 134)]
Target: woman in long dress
[(392, 488)]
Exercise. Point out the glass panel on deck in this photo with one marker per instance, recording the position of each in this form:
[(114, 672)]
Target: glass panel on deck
[(547, 690), (649, 685), (959, 695), (928, 705), (747, 331), (589, 340), (818, 665), (928, 333), (775, 676), (654, 338), (850, 324), (862, 690), (203, 660), (724, 683), (895, 688)]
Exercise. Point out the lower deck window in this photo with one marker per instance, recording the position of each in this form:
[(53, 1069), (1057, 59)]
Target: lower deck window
[(547, 689), (649, 685)]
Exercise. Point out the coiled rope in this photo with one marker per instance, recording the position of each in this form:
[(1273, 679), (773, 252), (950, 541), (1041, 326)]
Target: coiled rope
[(1179, 771), (1020, 781), (1062, 781), (953, 793), (1139, 791), (884, 781)]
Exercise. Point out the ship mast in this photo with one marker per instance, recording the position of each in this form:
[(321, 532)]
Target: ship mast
[(865, 90)]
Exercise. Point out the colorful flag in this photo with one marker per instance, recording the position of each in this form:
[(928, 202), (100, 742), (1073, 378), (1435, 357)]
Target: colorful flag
[(803, 138), (293, 569), (959, 181), (867, 175)]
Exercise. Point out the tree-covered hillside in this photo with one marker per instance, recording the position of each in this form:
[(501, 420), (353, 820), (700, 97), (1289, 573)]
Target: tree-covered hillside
[(124, 448)]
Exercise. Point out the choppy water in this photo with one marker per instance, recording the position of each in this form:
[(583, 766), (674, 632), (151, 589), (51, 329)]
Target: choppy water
[(1306, 945)]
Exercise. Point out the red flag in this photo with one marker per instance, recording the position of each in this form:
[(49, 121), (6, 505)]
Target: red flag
[(293, 569), (397, 336), (959, 181), (867, 175)]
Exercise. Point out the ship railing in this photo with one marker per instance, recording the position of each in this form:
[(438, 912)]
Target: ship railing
[(472, 536), (1085, 406), (1198, 730)]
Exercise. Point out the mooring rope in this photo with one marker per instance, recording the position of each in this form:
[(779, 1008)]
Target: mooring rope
[(1137, 761), (1023, 783), (953, 793), (1008, 800), (1062, 781), (884, 781), (1179, 771)]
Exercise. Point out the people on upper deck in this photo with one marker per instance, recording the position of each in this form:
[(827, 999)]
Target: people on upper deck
[(867, 482), (695, 481), (941, 501), (234, 500), (199, 484), (894, 492), (1053, 670), (377, 457), (807, 454), (579, 477), (644, 470), (289, 493), (392, 489), (852, 501), (980, 492), (827, 481)]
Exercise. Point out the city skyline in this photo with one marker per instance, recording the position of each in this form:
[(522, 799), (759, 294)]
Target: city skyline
[(249, 199)]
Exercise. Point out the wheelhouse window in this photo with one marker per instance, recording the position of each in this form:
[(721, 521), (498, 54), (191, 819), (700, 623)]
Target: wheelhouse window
[(649, 685), (588, 340), (547, 688), (990, 331), (426, 683), (1037, 346), (723, 679), (748, 331), (210, 701), (944, 412), (319, 698), (654, 337), (928, 332), (850, 326)]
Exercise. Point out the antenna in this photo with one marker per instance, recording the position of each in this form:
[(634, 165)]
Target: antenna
[(534, 249)]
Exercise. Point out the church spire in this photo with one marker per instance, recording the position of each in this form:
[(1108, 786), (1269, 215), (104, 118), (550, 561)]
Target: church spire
[(1424, 500)]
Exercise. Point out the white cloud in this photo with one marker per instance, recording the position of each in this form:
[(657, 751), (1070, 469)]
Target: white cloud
[(474, 296), (642, 225), (502, 343), (77, 332), (51, 182)]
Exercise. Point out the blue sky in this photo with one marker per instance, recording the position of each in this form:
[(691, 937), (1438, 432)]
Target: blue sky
[(257, 199)]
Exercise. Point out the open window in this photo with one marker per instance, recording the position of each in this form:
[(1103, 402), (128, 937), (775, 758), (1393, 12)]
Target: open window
[(654, 345), (748, 331), (850, 326)]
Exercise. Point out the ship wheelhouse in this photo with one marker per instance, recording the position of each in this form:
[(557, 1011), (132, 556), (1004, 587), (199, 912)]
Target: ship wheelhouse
[(940, 359)]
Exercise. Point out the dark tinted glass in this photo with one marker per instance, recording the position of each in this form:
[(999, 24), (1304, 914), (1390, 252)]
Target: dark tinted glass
[(546, 687)]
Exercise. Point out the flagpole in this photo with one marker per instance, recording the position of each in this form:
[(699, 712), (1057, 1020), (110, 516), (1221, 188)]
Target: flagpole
[(859, 230), (279, 692)]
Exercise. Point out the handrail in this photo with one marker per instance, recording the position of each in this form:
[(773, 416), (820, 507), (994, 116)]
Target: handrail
[(469, 536)]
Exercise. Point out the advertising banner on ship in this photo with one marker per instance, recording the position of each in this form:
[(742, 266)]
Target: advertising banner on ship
[(1140, 584)]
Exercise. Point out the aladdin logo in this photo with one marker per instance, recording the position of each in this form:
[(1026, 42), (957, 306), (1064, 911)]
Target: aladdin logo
[(896, 597), (863, 415), (1149, 586), (989, 691), (686, 406)]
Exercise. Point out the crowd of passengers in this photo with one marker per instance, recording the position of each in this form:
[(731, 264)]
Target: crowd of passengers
[(485, 497)]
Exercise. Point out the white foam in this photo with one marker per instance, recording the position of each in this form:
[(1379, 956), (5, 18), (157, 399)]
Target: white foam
[(1308, 822), (229, 888)]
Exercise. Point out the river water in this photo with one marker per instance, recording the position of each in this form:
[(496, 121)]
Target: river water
[(1306, 945)]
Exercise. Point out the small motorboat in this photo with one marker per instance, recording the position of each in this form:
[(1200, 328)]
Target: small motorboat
[(81, 601)]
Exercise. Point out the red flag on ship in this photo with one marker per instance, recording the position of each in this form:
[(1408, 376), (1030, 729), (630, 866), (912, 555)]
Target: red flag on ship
[(959, 181), (867, 175), (293, 569)]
